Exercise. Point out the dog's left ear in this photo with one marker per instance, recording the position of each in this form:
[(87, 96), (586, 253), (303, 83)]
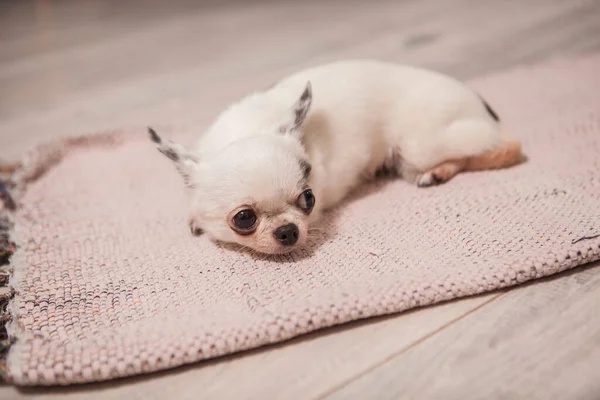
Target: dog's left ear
[(295, 118), (185, 161)]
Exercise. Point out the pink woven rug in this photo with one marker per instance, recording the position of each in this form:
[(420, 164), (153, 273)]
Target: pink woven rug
[(110, 283)]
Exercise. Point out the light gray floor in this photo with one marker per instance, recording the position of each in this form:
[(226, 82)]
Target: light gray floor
[(79, 66)]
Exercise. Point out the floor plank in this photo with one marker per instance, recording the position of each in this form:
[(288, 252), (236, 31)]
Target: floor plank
[(541, 341), (186, 64)]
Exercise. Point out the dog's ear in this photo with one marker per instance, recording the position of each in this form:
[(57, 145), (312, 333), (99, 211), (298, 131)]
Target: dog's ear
[(292, 124), (185, 161)]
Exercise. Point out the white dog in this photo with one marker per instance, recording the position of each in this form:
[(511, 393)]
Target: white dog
[(274, 160)]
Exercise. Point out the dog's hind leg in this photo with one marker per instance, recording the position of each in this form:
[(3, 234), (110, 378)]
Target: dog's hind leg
[(504, 156)]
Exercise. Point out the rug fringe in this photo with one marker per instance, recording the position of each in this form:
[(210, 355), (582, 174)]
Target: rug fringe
[(7, 248), (14, 178)]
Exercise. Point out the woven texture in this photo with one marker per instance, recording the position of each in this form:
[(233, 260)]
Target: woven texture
[(110, 282)]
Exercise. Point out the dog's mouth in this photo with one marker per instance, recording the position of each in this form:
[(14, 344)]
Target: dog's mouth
[(278, 245)]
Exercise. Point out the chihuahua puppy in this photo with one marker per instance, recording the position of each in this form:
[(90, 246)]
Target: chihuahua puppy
[(273, 161)]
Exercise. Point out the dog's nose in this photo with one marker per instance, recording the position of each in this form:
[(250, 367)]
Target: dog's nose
[(287, 234)]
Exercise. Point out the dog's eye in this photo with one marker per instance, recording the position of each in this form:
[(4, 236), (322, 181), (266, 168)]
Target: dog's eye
[(306, 201), (245, 220)]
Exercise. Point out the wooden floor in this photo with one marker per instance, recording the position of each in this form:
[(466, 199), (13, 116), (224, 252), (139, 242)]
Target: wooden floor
[(77, 66)]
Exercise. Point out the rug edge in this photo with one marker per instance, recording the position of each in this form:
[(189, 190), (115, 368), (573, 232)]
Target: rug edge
[(14, 178)]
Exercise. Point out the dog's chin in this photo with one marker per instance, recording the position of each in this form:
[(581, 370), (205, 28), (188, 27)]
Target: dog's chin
[(275, 250), (284, 250), (265, 250)]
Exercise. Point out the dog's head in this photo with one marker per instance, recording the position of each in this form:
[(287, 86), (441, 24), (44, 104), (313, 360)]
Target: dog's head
[(256, 190)]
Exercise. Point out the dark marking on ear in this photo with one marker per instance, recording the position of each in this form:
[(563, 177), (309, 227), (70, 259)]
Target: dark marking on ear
[(299, 117), (170, 153), (182, 158), (154, 136), (490, 110), (167, 151), (306, 168), (307, 92), (303, 106), (186, 179)]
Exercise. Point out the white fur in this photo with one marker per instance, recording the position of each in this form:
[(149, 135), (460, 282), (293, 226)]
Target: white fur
[(363, 114)]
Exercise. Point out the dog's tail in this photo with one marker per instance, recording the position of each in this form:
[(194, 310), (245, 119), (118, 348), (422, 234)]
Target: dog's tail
[(506, 155)]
